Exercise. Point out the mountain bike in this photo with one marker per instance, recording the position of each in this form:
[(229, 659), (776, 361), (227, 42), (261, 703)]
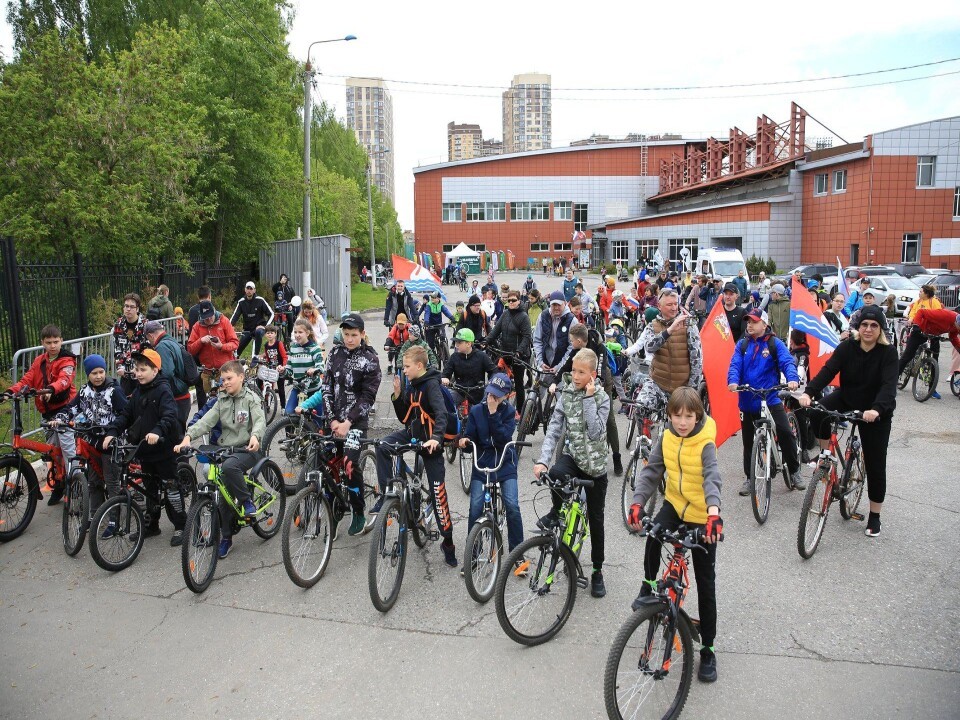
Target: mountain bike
[(285, 442), (924, 369), (86, 471), (836, 478), (407, 510), (483, 552), (452, 449), (650, 425), (310, 524), (649, 668), (261, 380), (202, 531), (118, 526), (538, 405), (531, 612), (765, 459), (436, 336)]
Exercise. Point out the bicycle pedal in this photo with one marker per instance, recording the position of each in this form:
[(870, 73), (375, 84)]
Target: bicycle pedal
[(433, 535), (857, 516), (582, 582)]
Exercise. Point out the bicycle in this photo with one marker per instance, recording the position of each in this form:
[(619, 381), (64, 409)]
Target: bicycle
[(406, 510), (641, 677), (309, 527), (261, 380), (825, 487), (118, 526), (765, 459), (78, 508), (554, 572), (202, 532), (463, 280), (537, 410), (651, 425), (437, 339), (924, 369), (285, 442), (451, 448), (484, 546)]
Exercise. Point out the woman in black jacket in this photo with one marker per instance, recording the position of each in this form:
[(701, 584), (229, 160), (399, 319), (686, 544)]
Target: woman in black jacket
[(513, 334), (475, 319), (867, 364)]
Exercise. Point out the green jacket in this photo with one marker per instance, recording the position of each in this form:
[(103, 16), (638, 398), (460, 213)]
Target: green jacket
[(162, 302), (240, 416), (778, 311)]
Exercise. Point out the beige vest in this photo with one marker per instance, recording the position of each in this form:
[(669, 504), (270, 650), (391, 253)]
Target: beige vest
[(670, 367)]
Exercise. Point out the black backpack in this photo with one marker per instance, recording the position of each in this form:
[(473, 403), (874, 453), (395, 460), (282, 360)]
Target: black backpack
[(191, 374), (771, 346), (153, 310)]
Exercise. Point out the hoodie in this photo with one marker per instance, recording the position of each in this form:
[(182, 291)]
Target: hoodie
[(421, 407), (490, 433), (239, 416)]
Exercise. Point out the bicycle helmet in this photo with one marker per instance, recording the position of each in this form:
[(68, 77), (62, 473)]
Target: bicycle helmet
[(617, 321), (466, 335)]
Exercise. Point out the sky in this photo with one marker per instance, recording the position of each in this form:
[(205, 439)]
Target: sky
[(616, 46)]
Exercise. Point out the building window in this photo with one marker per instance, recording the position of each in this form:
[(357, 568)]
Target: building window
[(496, 211), (911, 248), (956, 202), (926, 164), (820, 184), (580, 216), (562, 247), (452, 212), (678, 244), (646, 249), (476, 212), (562, 211), (620, 251), (539, 247), (448, 248), (840, 181), (523, 211)]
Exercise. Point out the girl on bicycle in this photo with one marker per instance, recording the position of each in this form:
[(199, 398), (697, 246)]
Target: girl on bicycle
[(686, 451), (304, 360)]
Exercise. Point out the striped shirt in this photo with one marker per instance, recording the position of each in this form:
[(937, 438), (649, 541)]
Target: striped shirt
[(301, 358)]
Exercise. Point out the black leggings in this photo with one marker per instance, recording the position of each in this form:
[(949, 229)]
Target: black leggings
[(914, 341), (874, 437)]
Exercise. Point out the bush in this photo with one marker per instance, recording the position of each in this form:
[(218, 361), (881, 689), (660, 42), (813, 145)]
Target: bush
[(755, 265)]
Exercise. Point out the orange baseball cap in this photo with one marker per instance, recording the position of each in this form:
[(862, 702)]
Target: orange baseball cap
[(149, 356)]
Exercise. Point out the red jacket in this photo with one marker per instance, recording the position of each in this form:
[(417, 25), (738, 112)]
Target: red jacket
[(210, 355), (938, 322), (58, 376), (606, 299), (398, 336)]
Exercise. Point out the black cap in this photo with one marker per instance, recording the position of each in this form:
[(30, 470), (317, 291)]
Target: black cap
[(474, 300), (730, 287), (353, 320), (875, 313), (207, 310)]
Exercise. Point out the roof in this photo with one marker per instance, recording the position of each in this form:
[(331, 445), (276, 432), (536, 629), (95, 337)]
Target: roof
[(685, 211)]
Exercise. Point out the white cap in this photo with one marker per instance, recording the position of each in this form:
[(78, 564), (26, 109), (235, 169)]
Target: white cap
[(250, 286)]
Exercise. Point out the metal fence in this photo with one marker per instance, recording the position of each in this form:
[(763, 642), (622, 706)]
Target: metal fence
[(330, 271)]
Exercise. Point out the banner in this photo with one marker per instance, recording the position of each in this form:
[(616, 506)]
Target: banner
[(841, 281), (806, 317), (416, 277), (716, 338)]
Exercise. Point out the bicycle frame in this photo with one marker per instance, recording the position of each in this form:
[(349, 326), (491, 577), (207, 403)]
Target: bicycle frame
[(220, 490), (58, 469)]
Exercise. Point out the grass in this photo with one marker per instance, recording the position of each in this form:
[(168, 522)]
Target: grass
[(363, 297)]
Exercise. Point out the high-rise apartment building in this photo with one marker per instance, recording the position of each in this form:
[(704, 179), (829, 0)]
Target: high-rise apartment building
[(527, 114), (370, 116), (491, 147), (463, 141)]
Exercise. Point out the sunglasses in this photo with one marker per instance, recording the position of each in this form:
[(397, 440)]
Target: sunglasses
[(513, 300), (869, 326)]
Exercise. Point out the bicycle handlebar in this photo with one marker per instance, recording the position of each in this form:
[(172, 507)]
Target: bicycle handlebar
[(412, 446), (690, 538), (503, 456), (853, 415), (567, 482), (762, 391)]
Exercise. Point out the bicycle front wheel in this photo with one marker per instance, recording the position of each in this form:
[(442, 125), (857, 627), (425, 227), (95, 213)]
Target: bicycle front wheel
[(760, 480), (388, 556), (270, 500), (76, 513), (813, 513), (925, 380), (650, 667), (955, 383), (306, 541), (271, 404), (905, 376), (201, 541), (466, 470), (483, 555), (19, 492), (533, 609), (853, 476), (283, 443), (528, 419), (117, 533)]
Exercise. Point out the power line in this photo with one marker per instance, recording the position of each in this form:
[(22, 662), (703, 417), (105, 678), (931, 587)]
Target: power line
[(268, 50)]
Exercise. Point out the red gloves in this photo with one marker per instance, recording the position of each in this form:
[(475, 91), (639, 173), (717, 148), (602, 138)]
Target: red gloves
[(714, 527)]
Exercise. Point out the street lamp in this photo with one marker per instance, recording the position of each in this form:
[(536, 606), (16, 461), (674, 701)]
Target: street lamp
[(373, 258), (307, 119)]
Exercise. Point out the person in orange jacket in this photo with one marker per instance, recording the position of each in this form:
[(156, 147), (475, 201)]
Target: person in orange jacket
[(606, 297), (213, 341)]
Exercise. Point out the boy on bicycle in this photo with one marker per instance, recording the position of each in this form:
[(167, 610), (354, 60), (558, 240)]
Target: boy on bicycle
[(422, 409), (686, 452), (468, 367), (582, 410), (240, 414), (396, 338)]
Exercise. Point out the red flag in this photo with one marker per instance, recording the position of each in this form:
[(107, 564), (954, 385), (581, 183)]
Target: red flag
[(806, 316), (716, 338)]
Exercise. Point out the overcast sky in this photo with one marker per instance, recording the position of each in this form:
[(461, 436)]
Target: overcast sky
[(633, 45)]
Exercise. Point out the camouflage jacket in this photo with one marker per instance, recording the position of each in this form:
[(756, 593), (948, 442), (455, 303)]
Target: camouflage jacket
[(582, 422)]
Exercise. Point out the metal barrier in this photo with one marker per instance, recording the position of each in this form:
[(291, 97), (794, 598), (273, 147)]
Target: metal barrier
[(949, 296), (81, 347)]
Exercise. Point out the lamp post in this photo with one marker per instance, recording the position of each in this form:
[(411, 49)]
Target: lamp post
[(373, 257), (307, 118)]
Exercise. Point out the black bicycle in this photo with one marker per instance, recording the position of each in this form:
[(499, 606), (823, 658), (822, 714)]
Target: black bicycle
[(286, 443), (451, 448), (538, 405), (924, 369), (436, 335), (650, 425)]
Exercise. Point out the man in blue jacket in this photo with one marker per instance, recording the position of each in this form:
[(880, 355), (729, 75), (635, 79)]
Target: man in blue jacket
[(569, 285), (758, 360)]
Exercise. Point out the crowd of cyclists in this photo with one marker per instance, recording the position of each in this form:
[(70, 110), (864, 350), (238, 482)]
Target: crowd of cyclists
[(636, 346)]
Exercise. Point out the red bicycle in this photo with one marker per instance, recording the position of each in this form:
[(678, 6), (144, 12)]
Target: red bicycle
[(451, 448)]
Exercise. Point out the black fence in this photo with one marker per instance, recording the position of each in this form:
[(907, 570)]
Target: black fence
[(33, 294)]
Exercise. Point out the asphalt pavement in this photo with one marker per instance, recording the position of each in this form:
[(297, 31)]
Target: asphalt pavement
[(868, 628)]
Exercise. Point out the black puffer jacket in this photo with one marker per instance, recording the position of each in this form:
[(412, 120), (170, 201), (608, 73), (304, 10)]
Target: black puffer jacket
[(472, 369), (151, 409), (513, 333)]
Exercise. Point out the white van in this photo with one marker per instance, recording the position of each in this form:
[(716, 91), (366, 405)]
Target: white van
[(725, 262)]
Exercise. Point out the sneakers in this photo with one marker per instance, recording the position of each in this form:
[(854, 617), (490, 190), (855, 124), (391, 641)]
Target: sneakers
[(521, 567), (796, 479), (745, 488), (617, 465), (873, 525), (225, 545), (110, 531), (551, 519), (249, 509), (708, 666), (449, 553), (176, 539), (372, 515), (357, 525), (151, 531), (56, 495), (936, 395), (597, 588)]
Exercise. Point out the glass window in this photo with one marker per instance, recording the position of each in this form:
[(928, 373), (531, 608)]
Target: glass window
[(562, 211), (539, 247), (620, 251), (676, 245), (956, 202), (910, 252), (523, 211), (496, 211), (452, 212), (580, 216), (925, 170), (476, 212), (646, 249), (840, 181), (820, 184), (562, 247)]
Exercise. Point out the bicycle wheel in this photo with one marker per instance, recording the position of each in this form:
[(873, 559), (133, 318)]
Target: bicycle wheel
[(443, 352), (905, 376), (535, 608), (371, 486), (201, 542), (285, 445), (418, 506), (269, 499), (853, 477), (306, 540), (760, 480), (19, 492), (547, 412), (634, 424), (116, 535), (528, 418), (450, 451), (640, 681), (925, 381), (955, 383), (187, 482), (388, 556), (483, 555), (795, 431), (813, 513), (638, 461), (271, 404), (76, 512), (466, 470)]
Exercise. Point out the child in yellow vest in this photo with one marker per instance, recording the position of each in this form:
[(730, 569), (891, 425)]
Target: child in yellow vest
[(687, 452)]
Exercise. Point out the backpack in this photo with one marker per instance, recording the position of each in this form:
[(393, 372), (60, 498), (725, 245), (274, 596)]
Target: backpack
[(452, 430), (771, 346), (153, 309), (191, 374)]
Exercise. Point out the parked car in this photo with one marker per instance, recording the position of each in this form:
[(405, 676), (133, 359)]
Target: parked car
[(908, 270), (855, 271), (906, 291), (824, 269), (921, 280), (939, 271)]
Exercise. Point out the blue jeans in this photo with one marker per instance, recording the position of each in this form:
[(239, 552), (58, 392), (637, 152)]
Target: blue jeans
[(293, 399), (511, 501)]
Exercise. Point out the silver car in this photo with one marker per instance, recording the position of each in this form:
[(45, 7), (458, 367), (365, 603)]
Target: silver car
[(905, 291)]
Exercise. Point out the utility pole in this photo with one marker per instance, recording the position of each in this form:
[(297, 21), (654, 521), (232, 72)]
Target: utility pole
[(373, 257), (307, 121)]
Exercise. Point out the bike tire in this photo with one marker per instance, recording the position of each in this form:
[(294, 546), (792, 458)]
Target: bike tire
[(544, 551), (528, 419), (548, 405), (271, 404), (955, 383), (813, 512), (187, 482), (853, 481), (272, 497), (76, 512), (925, 380), (371, 485), (288, 453), (466, 470), (760, 480), (904, 377), (201, 544), (387, 554), (19, 493), (649, 621), (307, 541), (632, 430), (482, 559), (127, 540), (415, 515), (450, 451), (798, 439)]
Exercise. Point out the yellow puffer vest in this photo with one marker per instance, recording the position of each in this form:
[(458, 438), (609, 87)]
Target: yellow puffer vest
[(683, 459)]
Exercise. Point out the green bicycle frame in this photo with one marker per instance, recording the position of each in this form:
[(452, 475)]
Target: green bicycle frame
[(570, 513), (213, 475)]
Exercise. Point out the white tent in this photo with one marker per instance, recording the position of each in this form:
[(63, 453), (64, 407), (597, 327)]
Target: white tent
[(462, 250)]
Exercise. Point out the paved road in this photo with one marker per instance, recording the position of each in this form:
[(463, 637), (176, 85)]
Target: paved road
[(866, 629)]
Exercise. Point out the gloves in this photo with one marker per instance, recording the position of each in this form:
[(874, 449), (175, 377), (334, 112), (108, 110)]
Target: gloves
[(713, 528), (635, 516)]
